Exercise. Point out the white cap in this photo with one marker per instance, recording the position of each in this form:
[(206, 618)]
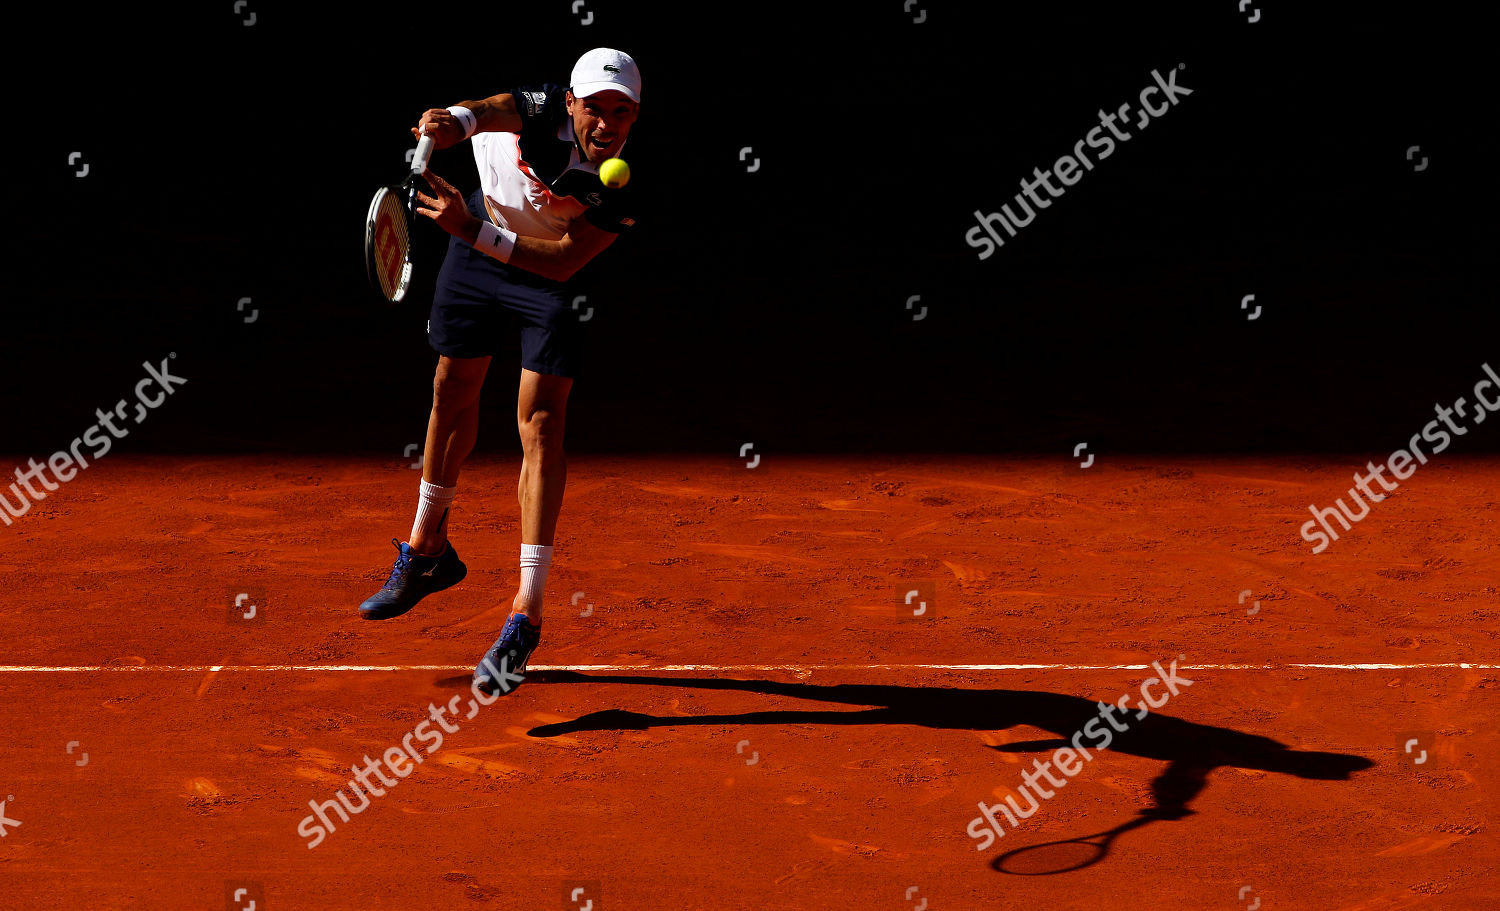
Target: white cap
[(602, 69)]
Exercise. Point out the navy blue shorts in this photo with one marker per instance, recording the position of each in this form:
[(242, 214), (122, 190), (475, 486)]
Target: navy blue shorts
[(479, 302)]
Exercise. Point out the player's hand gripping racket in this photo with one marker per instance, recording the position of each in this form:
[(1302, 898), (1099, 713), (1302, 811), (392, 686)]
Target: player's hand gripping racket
[(388, 229)]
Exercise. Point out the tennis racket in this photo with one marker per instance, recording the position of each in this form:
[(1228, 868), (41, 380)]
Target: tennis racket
[(388, 230)]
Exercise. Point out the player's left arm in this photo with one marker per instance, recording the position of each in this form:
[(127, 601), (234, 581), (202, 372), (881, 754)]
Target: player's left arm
[(554, 259), (559, 259)]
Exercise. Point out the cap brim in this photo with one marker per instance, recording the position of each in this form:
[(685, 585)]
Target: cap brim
[(586, 89)]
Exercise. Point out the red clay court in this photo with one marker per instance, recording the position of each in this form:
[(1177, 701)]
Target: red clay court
[(735, 704)]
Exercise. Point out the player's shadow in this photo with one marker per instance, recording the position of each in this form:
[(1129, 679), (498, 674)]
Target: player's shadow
[(1191, 750)]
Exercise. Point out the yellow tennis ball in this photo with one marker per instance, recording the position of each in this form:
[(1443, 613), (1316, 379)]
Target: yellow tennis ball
[(614, 173)]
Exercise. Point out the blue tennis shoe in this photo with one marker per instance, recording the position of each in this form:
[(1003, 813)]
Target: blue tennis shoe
[(503, 667), (413, 578)]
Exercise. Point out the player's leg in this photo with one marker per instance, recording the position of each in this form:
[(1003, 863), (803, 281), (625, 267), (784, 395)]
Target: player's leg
[(550, 345), (541, 420), (427, 563), (452, 429), (541, 416), (462, 330)]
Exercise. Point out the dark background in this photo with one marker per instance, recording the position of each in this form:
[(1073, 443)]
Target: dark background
[(230, 161)]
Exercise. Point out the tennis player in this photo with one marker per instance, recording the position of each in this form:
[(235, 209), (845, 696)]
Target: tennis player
[(539, 215)]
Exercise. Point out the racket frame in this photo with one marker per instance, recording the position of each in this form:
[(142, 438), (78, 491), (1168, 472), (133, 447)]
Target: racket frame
[(408, 207)]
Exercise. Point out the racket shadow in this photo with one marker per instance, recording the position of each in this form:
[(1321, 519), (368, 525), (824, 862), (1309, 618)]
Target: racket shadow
[(1065, 855)]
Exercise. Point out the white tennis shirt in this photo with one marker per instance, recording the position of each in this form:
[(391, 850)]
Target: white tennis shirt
[(537, 181)]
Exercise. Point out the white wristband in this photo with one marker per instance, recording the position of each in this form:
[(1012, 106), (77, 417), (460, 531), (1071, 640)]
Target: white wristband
[(496, 242), (465, 117)]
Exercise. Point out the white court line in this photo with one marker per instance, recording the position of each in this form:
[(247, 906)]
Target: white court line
[(229, 668)]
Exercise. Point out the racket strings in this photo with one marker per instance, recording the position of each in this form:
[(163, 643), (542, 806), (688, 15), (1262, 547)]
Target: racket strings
[(392, 243)]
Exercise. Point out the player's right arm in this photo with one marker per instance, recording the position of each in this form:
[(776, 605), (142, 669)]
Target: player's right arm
[(495, 114)]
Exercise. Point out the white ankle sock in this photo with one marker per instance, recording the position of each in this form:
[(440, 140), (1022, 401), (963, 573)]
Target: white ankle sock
[(535, 559), (433, 504)]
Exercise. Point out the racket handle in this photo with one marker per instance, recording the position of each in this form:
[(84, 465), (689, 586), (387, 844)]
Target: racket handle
[(424, 151)]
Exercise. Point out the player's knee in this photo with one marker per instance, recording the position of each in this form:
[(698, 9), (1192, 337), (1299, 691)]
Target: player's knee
[(541, 433), (454, 391)]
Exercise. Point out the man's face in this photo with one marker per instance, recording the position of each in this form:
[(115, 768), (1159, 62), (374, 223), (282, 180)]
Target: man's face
[(601, 122)]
